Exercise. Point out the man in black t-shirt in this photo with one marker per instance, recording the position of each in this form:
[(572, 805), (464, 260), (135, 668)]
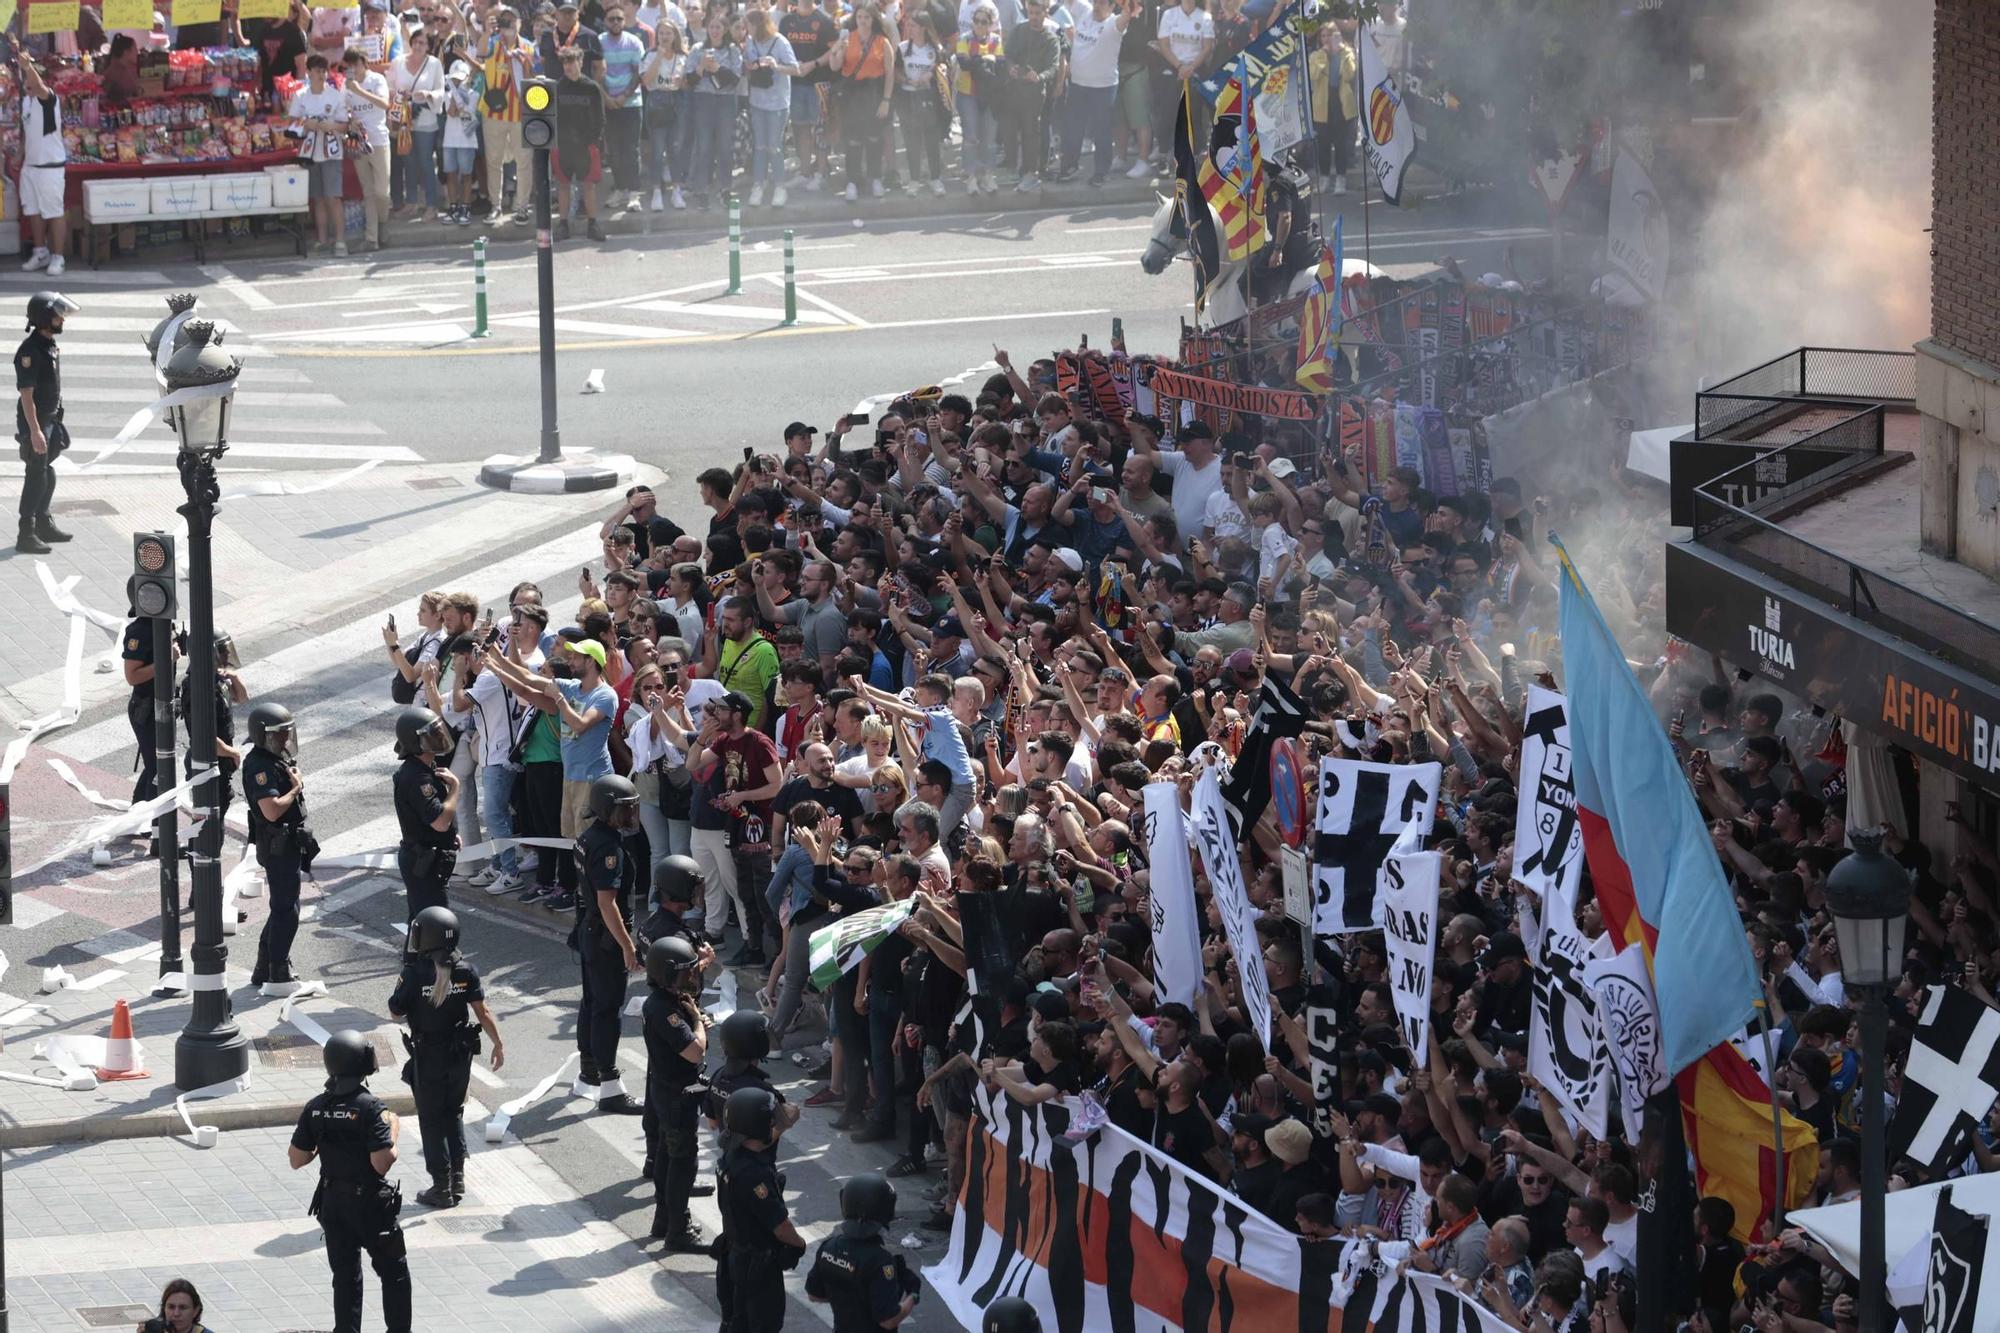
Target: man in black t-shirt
[(579, 129), (815, 783), (1121, 1089), (811, 30), (1181, 1127)]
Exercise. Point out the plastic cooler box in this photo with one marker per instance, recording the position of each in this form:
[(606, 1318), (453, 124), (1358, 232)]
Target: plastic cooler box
[(288, 186), (117, 200), (246, 192), (180, 196)]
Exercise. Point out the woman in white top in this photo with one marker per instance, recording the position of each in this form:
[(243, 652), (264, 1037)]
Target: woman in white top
[(417, 80), (664, 78), (920, 110)]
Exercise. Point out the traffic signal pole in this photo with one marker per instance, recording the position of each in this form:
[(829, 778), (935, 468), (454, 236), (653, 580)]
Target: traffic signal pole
[(538, 131)]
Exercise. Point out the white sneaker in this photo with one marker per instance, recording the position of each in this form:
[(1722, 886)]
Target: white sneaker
[(937, 185), (1027, 183), (500, 884), (991, 183), (851, 193), (659, 200), (340, 249), (972, 185), (1140, 171), (56, 265), (756, 199), (679, 199), (1340, 184), (481, 878), (874, 189), (37, 260), (778, 197)]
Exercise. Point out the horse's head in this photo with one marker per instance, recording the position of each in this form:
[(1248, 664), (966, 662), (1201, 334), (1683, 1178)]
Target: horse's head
[(1166, 240)]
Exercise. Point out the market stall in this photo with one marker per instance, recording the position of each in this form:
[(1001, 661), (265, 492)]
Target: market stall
[(192, 143)]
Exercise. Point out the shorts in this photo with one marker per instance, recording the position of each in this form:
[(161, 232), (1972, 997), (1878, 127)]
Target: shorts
[(1135, 101), (459, 161), (325, 180), (575, 807), (588, 177), (806, 108), (42, 192)]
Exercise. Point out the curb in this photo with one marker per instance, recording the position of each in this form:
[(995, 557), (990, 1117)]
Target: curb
[(585, 471), (167, 1123)]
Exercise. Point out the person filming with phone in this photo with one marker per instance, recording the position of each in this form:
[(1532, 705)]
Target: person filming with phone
[(180, 1310)]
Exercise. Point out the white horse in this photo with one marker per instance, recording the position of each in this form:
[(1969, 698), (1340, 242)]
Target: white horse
[(1225, 298)]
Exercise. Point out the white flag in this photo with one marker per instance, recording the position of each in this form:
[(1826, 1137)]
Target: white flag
[(1548, 839), (1630, 1013), (1362, 812), (1566, 1046), (1409, 906), (1176, 919), (1388, 134), (1221, 859), (1636, 239)]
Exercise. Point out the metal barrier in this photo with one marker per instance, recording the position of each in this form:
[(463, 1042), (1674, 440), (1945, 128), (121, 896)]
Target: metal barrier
[(1806, 373)]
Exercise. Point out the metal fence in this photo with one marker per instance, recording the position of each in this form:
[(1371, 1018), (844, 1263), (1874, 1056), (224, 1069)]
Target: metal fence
[(1861, 374)]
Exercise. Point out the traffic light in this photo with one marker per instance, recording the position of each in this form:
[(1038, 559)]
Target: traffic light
[(154, 595), (538, 114)]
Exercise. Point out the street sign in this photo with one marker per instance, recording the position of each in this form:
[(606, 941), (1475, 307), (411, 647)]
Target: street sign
[(1298, 887), (1288, 790)]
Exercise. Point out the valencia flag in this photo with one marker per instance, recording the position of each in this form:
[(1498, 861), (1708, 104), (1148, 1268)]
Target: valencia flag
[(1196, 222), (1319, 322)]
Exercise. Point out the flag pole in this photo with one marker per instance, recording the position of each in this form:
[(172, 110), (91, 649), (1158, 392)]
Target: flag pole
[(1777, 1116), (1361, 122)]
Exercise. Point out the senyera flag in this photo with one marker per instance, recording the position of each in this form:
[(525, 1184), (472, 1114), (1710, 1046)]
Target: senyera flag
[(1319, 322)]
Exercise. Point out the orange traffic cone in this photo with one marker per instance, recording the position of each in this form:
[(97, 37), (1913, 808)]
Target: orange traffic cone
[(121, 1051)]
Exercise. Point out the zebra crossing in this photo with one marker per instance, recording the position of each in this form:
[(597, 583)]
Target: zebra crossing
[(280, 420)]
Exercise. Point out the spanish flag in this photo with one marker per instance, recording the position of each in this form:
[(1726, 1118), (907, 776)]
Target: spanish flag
[(1319, 322)]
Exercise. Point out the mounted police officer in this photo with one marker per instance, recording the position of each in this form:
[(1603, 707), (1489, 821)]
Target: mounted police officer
[(676, 1053), (440, 997), (38, 419), (426, 807), (353, 1135), (603, 938), (1010, 1314), (854, 1272), (759, 1242), (275, 793)]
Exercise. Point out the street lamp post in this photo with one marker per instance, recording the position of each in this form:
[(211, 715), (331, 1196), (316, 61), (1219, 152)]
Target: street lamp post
[(200, 380), (1869, 896)]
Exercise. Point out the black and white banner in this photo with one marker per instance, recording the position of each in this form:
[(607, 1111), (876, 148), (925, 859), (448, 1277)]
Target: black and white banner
[(1363, 809), (1222, 860), (1409, 937), (1566, 1046), (1322, 1024), (1548, 839), (1630, 1013), (1951, 1281), (1950, 1081), (1423, 1303), (1176, 917)]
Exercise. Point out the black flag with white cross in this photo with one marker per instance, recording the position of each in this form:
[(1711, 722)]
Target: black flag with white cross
[(1362, 809), (1950, 1082)]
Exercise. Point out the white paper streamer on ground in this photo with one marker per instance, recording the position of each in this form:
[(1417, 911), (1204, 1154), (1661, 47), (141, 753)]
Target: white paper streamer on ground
[(72, 705), (266, 486), (384, 858), (496, 1124), (206, 1135), (725, 998), (91, 794), (117, 825), (76, 1058)]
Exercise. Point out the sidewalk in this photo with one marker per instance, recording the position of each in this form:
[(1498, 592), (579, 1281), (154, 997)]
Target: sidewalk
[(282, 562), (95, 1230)]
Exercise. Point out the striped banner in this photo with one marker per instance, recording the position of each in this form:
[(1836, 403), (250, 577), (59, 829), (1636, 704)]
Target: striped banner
[(841, 946)]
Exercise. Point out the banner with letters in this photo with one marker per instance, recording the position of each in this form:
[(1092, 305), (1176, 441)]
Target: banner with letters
[(1409, 936), (1362, 810), (1276, 65), (1250, 399), (1176, 918), (1222, 859), (1548, 839)]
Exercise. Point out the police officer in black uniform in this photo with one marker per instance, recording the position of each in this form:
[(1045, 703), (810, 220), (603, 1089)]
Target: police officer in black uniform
[(759, 1241), (139, 668), (854, 1272), (38, 419), (603, 938), (1294, 236), (426, 808), (676, 1053), (353, 1135), (440, 997), (678, 884), (229, 691), (1010, 1314), (746, 1040), (276, 796)]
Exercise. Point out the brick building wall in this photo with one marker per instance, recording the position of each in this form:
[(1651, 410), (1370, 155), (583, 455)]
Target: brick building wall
[(1965, 148)]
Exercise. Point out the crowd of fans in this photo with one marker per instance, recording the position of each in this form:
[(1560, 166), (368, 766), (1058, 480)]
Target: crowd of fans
[(943, 653)]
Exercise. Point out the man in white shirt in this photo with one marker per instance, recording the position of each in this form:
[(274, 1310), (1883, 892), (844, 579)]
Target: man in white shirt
[(1197, 474), (495, 722), (1187, 35), (1096, 35), (43, 177), (1583, 1227), (368, 106), (319, 115)]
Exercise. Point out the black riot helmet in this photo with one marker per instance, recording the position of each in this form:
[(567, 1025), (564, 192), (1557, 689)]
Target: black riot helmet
[(225, 650), (669, 963), (752, 1113), (420, 731), (45, 308), (433, 931), (746, 1036), (270, 727), (868, 1197), (678, 879), (614, 801), (1010, 1314), (349, 1060)]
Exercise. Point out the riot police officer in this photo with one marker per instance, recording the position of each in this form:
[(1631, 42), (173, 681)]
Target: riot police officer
[(759, 1241), (439, 995), (676, 1052), (229, 691), (867, 1286), (746, 1040), (139, 669), (1010, 1314), (426, 808), (353, 1135), (603, 938), (678, 885), (38, 419), (275, 793)]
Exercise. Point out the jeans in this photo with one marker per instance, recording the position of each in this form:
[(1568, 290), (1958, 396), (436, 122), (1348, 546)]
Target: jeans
[(714, 161), (885, 1023), (666, 139), (798, 963), (1087, 115), (496, 789), (767, 146), (623, 126), (419, 168), (923, 137), (978, 129)]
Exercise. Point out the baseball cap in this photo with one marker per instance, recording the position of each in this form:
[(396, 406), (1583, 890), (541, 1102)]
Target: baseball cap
[(800, 428), (1067, 557), (1153, 424), (1501, 948), (1379, 1103), (566, 4), (1289, 1141), (1252, 1124), (948, 627), (1281, 467), (1240, 660), (589, 648), (735, 701)]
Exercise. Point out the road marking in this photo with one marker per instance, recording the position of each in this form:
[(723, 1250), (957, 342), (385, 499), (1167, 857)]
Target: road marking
[(244, 397), (846, 316), (236, 287), (936, 275), (86, 324), (300, 450), (127, 375), (407, 333), (131, 348), (606, 345), (590, 326), (250, 423), (987, 319), (762, 313), (91, 278)]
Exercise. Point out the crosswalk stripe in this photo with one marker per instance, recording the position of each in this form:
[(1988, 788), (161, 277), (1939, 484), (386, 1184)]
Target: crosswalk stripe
[(768, 314), (245, 397), (135, 324), (75, 277), (593, 326), (133, 375), (134, 349), (305, 451), (250, 423)]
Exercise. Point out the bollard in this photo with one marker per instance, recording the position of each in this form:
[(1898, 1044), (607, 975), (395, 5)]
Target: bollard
[(791, 285), (735, 246), (479, 287)]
